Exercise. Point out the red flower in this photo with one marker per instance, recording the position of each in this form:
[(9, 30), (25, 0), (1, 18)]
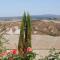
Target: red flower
[(14, 51), (3, 54), (29, 49)]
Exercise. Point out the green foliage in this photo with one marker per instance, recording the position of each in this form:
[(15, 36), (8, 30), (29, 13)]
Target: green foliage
[(13, 57), (4, 58), (30, 56)]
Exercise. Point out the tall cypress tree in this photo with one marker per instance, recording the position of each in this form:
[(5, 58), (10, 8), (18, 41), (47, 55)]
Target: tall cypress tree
[(28, 30), (21, 37), (25, 34)]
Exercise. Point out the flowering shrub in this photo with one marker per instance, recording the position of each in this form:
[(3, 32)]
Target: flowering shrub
[(12, 55), (9, 53)]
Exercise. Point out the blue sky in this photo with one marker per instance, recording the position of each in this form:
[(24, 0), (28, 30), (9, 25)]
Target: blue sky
[(34, 7)]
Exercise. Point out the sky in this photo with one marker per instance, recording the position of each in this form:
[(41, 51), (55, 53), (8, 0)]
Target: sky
[(9, 8)]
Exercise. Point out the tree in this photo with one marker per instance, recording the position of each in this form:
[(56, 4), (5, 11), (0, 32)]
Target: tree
[(29, 31), (25, 35), (21, 37)]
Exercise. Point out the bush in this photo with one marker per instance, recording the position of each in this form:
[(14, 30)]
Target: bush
[(53, 55)]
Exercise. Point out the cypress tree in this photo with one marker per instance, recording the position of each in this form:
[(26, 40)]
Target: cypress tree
[(21, 37), (25, 34), (28, 30)]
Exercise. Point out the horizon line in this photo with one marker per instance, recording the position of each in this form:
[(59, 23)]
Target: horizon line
[(30, 15)]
